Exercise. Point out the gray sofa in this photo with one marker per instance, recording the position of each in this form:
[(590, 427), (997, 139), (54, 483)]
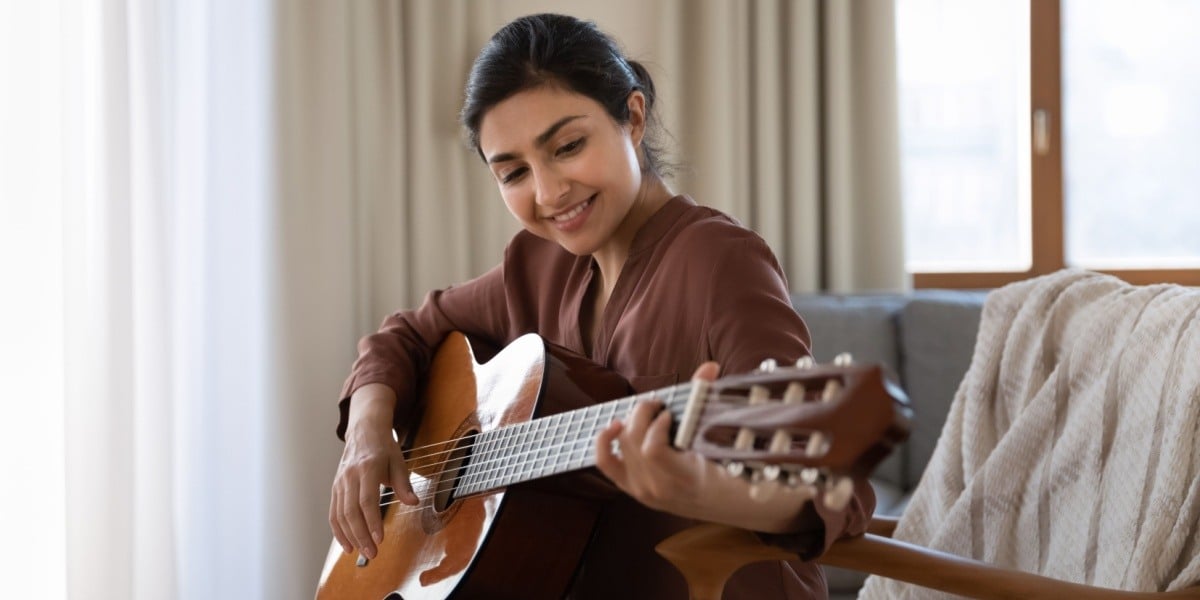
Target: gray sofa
[(927, 338)]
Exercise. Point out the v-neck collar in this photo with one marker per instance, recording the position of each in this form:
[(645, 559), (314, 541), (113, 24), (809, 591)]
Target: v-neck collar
[(651, 232)]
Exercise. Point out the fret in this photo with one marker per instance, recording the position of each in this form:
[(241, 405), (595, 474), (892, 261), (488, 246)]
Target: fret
[(504, 467), (580, 438), (464, 481), (518, 450), (547, 447), (482, 460), (562, 443), (555, 444)]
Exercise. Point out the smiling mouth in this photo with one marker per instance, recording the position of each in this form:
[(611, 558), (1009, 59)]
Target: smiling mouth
[(574, 212)]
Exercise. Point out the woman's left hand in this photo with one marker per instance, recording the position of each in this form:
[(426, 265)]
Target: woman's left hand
[(650, 470)]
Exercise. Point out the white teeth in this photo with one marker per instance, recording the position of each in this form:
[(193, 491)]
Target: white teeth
[(574, 212)]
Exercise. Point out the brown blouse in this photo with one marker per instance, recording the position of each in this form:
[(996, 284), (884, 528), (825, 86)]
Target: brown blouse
[(697, 286)]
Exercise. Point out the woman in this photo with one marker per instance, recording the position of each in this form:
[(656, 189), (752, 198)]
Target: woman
[(614, 265)]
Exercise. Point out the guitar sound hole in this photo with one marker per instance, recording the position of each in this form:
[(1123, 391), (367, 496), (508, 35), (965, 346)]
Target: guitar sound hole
[(451, 476)]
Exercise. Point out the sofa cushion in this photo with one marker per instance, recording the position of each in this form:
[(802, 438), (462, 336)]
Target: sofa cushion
[(937, 330), (864, 326)]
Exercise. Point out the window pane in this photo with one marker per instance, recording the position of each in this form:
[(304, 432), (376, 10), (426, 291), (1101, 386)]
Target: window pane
[(1131, 88), (963, 68)]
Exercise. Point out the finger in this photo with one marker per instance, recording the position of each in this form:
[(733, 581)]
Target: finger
[(372, 523), (637, 422), (353, 521), (707, 371), (399, 482), (606, 460), (656, 434), (335, 522)]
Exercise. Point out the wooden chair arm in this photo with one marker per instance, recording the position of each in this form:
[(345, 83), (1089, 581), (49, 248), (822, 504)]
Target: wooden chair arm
[(963, 576), (882, 526)]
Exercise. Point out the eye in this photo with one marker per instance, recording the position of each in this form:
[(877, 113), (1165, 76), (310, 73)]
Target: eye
[(570, 147), (512, 175)]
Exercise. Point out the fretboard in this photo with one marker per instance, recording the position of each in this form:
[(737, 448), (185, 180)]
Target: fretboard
[(552, 445)]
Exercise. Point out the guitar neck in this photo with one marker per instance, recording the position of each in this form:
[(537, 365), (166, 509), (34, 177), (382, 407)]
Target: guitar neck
[(552, 445)]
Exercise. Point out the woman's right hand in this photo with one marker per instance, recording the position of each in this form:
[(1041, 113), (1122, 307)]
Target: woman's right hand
[(372, 457)]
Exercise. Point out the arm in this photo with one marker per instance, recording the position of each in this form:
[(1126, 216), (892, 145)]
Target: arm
[(748, 317), (379, 396)]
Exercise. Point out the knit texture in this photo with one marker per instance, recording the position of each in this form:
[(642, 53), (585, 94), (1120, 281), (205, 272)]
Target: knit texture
[(1071, 447)]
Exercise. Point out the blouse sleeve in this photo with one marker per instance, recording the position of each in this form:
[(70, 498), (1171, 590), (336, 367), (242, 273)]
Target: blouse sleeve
[(405, 343), (751, 318)]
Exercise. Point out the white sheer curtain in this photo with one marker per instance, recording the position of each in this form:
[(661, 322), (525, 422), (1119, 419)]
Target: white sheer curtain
[(167, 299), (161, 316)]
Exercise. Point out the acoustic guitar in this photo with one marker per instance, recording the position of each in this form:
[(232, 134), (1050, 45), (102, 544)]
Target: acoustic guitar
[(529, 416)]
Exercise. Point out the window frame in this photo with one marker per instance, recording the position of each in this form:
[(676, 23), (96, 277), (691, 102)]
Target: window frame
[(1046, 195)]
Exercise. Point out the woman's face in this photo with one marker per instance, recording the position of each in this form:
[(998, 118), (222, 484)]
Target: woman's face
[(567, 171)]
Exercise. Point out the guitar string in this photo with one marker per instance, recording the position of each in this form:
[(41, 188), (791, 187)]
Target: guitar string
[(498, 462), (684, 387), (516, 429), (519, 429), (652, 393), (525, 458)]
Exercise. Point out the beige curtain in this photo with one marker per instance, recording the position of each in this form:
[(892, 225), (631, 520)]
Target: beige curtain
[(783, 113)]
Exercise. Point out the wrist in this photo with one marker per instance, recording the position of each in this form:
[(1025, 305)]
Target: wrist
[(372, 406)]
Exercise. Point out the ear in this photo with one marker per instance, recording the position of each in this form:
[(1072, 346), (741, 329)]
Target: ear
[(637, 117)]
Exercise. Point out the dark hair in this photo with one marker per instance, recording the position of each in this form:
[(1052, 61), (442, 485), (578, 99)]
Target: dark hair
[(557, 50)]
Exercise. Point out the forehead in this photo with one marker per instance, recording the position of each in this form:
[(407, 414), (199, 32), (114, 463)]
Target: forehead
[(517, 120)]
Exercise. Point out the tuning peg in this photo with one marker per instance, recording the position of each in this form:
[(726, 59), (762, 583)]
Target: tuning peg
[(843, 360), (809, 475), (805, 362), (770, 472), (838, 494), (817, 445), (735, 468), (767, 365)]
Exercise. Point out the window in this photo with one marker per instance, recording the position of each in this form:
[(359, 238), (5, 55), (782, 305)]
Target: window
[(1043, 134)]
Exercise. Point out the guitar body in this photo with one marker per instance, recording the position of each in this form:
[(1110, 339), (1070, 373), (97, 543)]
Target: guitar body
[(520, 542)]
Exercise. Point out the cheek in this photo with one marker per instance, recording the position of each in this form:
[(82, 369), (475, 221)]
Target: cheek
[(517, 205)]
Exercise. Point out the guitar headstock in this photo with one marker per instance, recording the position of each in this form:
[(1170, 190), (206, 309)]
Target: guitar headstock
[(807, 425)]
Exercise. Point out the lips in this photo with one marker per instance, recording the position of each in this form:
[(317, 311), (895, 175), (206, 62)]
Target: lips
[(574, 212), (573, 218)]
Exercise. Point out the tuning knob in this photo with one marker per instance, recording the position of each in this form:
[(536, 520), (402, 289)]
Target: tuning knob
[(767, 365), (805, 362), (809, 475), (770, 472), (843, 360), (735, 468)]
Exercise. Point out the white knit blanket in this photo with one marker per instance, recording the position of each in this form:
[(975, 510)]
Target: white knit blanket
[(1071, 448)]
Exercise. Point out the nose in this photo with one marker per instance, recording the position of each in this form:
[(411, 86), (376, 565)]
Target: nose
[(551, 187)]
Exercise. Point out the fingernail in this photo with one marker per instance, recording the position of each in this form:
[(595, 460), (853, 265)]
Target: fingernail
[(377, 536)]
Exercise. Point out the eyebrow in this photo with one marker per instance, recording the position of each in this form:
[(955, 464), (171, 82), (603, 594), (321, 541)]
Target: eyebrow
[(540, 140)]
